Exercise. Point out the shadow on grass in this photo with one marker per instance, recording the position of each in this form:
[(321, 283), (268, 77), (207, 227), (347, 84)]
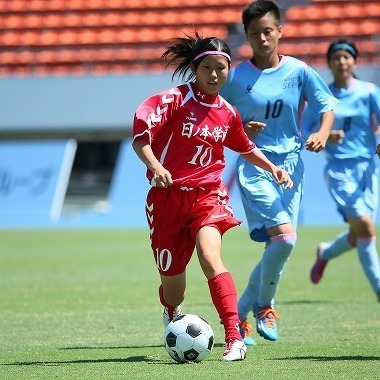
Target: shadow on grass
[(108, 348), (120, 347), (150, 360), (331, 358), (134, 359)]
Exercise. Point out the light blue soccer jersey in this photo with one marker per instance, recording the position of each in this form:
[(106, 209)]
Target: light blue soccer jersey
[(351, 172), (276, 97), (358, 115)]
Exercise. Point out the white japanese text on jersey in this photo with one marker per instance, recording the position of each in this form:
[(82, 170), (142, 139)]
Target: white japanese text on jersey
[(189, 130)]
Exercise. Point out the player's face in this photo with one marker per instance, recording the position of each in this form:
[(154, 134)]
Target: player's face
[(263, 35), (342, 64), (212, 73)]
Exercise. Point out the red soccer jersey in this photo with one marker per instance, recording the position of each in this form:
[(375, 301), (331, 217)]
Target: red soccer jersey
[(188, 130)]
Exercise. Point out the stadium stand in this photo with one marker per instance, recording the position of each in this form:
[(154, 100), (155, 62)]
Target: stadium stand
[(77, 59), (308, 29), (77, 37)]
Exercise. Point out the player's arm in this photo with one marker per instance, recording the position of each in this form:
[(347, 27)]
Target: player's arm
[(336, 136), (317, 141), (253, 128), (257, 158), (161, 176), (378, 150)]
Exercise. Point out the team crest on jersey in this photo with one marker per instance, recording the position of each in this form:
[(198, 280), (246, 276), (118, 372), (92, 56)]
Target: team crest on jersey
[(293, 82)]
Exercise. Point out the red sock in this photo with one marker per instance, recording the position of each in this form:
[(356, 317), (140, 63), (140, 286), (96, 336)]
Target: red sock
[(162, 299), (224, 297), (171, 309)]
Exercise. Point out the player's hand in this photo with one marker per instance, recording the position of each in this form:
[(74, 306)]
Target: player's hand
[(282, 177), (336, 137), (316, 142), (162, 178), (253, 128)]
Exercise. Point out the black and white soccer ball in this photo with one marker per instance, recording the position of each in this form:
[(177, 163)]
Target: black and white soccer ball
[(188, 338)]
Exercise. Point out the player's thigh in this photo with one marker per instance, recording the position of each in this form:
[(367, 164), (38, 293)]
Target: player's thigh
[(171, 244)]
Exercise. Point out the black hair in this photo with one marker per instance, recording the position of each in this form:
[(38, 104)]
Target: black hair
[(258, 9), (342, 44), (182, 51)]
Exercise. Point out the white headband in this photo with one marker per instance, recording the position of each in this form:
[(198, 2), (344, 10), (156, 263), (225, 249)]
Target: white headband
[(213, 52)]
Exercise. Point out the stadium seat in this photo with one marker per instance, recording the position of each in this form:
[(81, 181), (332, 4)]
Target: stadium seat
[(371, 9), (353, 10), (295, 13), (328, 29), (333, 11), (119, 31), (290, 30), (328, 1), (316, 12), (33, 21), (369, 27), (367, 47), (350, 28), (72, 19)]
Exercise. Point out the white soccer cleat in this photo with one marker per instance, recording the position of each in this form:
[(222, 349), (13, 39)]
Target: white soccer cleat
[(235, 350), (170, 313)]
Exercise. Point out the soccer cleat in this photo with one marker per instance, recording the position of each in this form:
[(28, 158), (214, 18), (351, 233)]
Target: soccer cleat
[(170, 313), (266, 323), (234, 350), (245, 331), (319, 265)]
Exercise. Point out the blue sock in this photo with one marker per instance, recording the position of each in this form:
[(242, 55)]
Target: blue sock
[(337, 246), (272, 265), (250, 294), (369, 259)]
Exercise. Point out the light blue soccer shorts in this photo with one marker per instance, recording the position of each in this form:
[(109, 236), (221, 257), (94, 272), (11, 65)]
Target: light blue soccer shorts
[(354, 186), (266, 204)]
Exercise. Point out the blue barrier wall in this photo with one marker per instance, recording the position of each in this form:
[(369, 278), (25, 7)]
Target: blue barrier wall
[(126, 198), (97, 104), (33, 181)]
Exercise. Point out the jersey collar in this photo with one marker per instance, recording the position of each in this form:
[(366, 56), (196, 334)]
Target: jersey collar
[(201, 97)]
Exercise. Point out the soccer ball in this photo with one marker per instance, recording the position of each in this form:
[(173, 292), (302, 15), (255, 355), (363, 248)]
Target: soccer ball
[(188, 338)]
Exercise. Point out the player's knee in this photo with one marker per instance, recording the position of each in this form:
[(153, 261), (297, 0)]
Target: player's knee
[(286, 241), (363, 226)]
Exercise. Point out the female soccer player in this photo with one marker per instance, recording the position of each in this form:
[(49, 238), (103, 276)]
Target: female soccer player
[(351, 173), (269, 91), (180, 135)]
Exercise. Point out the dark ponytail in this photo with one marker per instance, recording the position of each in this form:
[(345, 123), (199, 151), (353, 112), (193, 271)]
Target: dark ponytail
[(183, 52)]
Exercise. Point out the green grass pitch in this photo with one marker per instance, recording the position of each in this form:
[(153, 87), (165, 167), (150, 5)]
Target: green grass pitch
[(83, 304)]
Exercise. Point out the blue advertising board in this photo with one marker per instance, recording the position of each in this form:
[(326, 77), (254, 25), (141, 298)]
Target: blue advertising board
[(33, 180)]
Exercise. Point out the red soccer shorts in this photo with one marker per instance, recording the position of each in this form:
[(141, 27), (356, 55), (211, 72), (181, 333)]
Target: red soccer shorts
[(175, 216)]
